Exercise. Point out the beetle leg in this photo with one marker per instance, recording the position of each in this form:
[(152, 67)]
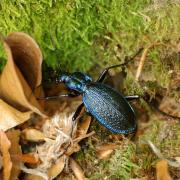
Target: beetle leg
[(105, 71), (129, 98), (78, 110), (41, 85), (56, 97)]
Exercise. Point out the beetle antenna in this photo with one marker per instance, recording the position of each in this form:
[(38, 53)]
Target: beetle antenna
[(129, 59), (156, 108), (105, 71)]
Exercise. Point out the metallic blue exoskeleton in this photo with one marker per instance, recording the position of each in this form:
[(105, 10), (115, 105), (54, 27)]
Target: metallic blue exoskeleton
[(104, 103)]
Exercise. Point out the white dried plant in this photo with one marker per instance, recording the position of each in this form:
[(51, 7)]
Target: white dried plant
[(58, 131)]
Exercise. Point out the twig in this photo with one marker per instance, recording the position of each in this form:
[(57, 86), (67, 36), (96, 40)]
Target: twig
[(85, 136), (143, 57), (160, 156), (141, 63)]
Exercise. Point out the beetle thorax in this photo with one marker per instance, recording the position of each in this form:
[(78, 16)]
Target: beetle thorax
[(76, 81)]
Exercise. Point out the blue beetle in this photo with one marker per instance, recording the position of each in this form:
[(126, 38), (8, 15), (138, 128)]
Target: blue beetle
[(108, 106)]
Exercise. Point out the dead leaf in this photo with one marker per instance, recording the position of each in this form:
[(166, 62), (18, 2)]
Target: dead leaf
[(13, 87), (1, 163), (105, 150), (104, 154), (58, 132), (117, 137), (57, 168), (4, 148), (34, 135), (162, 171), (77, 170), (27, 158), (21, 74), (11, 117), (170, 106), (34, 177), (27, 57), (34, 173), (15, 150)]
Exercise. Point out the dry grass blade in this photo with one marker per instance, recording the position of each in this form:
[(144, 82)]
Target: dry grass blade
[(78, 172), (4, 148)]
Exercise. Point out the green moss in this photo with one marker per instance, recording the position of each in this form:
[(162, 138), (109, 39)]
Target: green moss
[(133, 159), (120, 165), (165, 135), (81, 34)]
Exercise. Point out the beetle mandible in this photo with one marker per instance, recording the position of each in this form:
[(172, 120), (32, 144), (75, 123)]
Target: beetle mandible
[(108, 106)]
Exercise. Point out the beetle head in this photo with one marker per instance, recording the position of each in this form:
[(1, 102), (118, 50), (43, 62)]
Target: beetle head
[(75, 81), (64, 77)]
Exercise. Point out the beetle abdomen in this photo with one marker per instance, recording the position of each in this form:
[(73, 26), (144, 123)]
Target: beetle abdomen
[(110, 108)]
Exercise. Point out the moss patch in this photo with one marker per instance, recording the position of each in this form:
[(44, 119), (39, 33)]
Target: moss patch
[(133, 159), (81, 34)]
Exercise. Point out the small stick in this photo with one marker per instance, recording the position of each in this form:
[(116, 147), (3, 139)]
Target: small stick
[(84, 136), (143, 57), (141, 63), (160, 156)]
